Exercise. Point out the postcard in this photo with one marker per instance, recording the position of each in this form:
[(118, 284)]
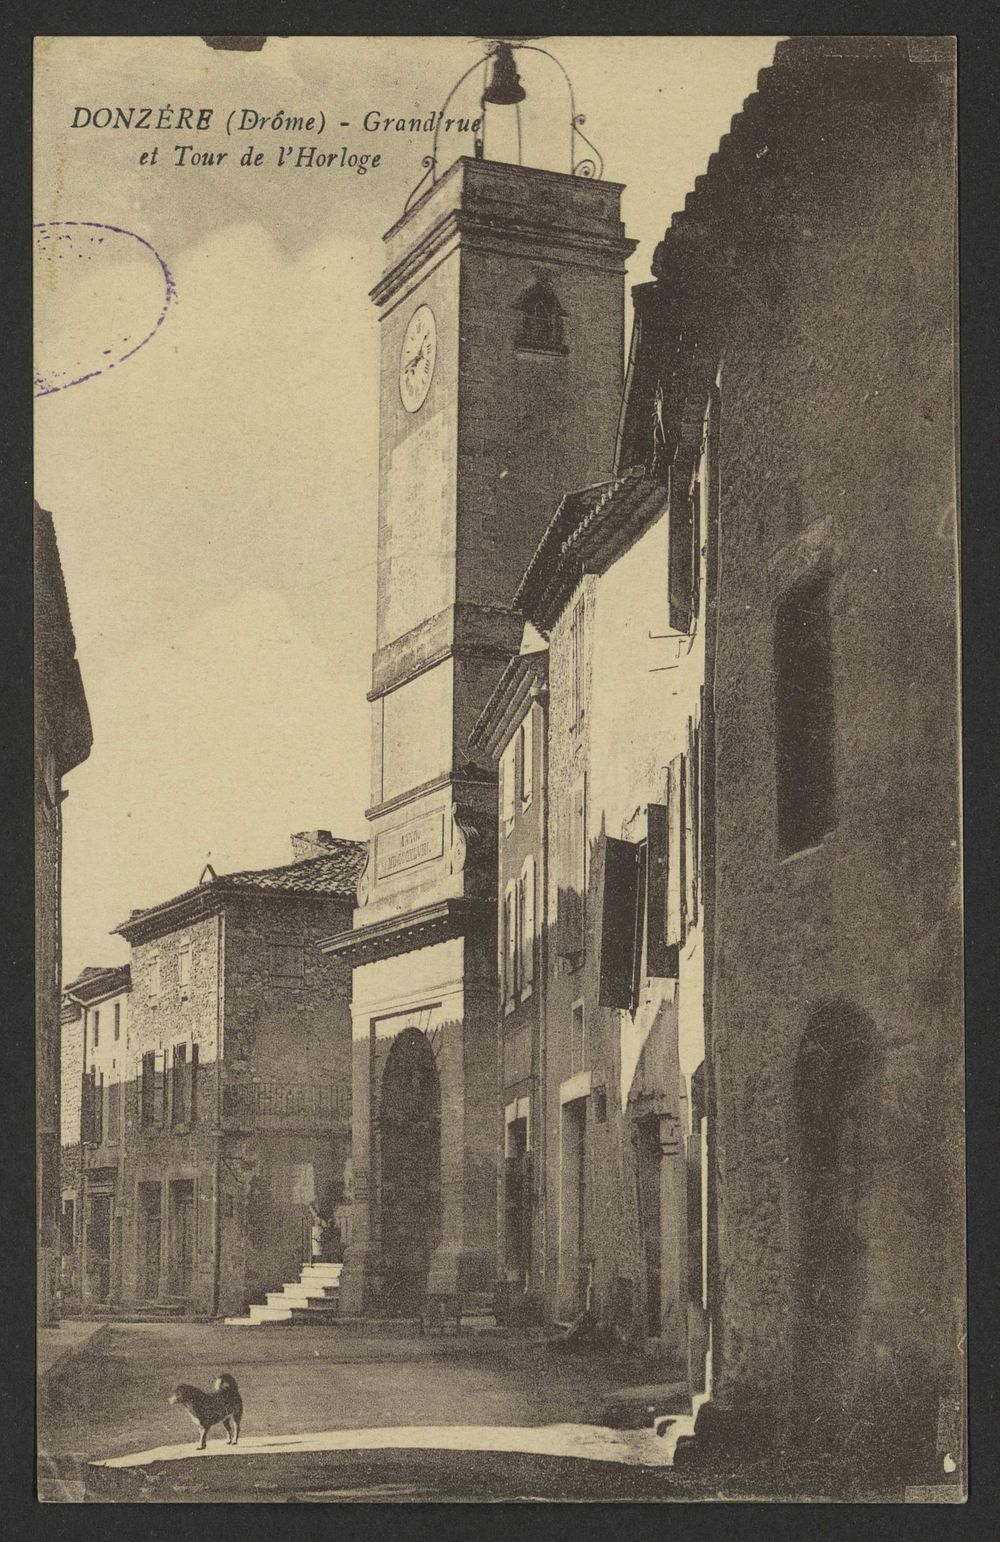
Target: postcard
[(497, 770)]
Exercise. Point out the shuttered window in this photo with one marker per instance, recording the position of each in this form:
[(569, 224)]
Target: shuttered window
[(147, 1103), (510, 943), (526, 928), (621, 915), (179, 1086), (114, 1110), (527, 758), (572, 866), (676, 851), (508, 785)]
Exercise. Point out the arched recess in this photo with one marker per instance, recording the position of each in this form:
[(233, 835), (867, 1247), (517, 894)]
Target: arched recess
[(410, 1138)]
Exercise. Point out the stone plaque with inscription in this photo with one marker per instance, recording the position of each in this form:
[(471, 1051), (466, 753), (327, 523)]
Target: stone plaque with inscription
[(420, 840)]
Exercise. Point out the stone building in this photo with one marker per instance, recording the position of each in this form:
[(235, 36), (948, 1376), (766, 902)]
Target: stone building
[(512, 734), (617, 1093), (800, 291), (237, 1106), (63, 739), (502, 350), (95, 1018)]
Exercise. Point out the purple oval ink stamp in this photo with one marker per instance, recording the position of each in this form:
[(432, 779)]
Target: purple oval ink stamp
[(101, 294)]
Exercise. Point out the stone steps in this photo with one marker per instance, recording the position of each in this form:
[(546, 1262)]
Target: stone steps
[(312, 1298)]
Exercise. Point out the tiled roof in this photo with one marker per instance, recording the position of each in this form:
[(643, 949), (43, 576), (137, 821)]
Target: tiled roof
[(584, 529), (95, 982), (335, 872)]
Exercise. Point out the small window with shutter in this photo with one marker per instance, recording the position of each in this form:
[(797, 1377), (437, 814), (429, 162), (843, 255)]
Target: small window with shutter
[(527, 927), (508, 785), (621, 922), (147, 1101), (527, 758)]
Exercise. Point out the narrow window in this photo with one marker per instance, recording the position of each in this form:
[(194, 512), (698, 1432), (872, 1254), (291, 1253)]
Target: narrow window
[(803, 675), (97, 1029), (527, 927), (527, 758), (193, 1085), (510, 943), (178, 1100), (184, 969), (578, 1041), (147, 1115), (507, 781), (118, 1020), (114, 1110)]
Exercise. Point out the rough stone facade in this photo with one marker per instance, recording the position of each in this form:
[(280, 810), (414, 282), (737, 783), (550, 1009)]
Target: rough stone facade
[(799, 272), (240, 1034)]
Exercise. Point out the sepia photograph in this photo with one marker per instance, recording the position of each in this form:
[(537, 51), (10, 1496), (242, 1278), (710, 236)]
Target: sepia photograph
[(497, 770)]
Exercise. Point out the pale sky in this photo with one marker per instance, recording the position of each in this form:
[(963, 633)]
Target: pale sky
[(215, 496)]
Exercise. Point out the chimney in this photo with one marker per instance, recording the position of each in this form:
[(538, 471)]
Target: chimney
[(311, 843)]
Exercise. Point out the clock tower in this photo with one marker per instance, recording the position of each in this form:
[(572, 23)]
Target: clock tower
[(502, 317)]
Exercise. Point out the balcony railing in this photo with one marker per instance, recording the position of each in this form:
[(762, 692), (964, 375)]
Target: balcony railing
[(274, 1105)]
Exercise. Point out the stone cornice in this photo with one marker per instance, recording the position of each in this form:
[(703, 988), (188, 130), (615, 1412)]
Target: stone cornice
[(402, 934)]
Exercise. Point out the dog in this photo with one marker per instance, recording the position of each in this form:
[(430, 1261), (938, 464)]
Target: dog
[(223, 1405)]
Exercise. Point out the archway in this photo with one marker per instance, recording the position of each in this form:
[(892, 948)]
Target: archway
[(835, 1107), (410, 1130)]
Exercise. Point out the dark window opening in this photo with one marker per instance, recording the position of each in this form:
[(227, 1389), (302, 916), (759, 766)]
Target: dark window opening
[(542, 321), (147, 1107), (803, 672), (179, 1079)]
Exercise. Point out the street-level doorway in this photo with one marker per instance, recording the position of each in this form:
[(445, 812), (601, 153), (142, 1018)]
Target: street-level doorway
[(150, 1229), (410, 1148), (99, 1247), (182, 1220), (573, 1270)]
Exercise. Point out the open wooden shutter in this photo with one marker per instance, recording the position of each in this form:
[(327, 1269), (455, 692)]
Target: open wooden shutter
[(679, 560), (527, 757), (675, 851), (693, 820), (571, 858), (160, 1096), (618, 968), (662, 957), (193, 1085)]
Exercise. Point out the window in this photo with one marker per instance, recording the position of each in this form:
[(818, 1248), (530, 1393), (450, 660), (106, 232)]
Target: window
[(154, 978), (118, 1020), (508, 790), (147, 1100), (510, 945), (526, 927), (178, 1090), (114, 1110), (287, 959), (571, 838), (578, 1041), (527, 758), (577, 665), (621, 917), (184, 970), (541, 328), (193, 1086), (97, 1029), (803, 676)]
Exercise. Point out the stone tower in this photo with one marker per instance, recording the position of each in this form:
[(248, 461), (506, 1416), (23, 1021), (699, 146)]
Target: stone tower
[(502, 315)]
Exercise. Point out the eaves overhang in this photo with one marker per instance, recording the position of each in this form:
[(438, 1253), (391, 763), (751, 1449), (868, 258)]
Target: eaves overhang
[(403, 934)]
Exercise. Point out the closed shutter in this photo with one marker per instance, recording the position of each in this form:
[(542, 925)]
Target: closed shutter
[(510, 940), (527, 757), (675, 852), (571, 838), (508, 780), (528, 924), (681, 538), (160, 1094), (193, 1087), (618, 966), (147, 1114), (694, 820), (695, 550)]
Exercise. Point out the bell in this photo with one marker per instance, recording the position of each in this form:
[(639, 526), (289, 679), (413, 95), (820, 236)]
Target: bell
[(505, 88)]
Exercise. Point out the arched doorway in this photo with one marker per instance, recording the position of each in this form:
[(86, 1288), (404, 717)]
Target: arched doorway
[(410, 1131), (835, 1107)]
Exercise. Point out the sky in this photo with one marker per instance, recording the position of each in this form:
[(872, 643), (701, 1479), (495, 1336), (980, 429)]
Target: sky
[(215, 495)]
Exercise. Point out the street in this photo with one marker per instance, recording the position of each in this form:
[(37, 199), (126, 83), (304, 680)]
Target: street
[(107, 1398)]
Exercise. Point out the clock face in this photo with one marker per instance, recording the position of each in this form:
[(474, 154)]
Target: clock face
[(416, 358)]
